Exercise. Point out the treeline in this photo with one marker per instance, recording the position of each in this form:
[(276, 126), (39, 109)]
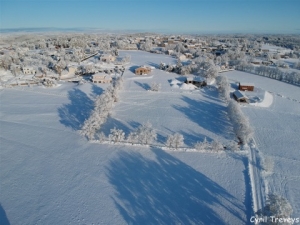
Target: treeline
[(271, 72), (103, 105), (241, 125)]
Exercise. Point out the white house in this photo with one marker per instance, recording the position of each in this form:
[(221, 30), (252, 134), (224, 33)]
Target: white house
[(101, 78), (107, 58), (182, 57), (28, 70)]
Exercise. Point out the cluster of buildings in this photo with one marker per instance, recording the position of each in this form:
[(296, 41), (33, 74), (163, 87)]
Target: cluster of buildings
[(239, 95)]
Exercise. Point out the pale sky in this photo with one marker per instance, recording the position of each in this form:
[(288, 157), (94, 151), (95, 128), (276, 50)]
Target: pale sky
[(195, 16)]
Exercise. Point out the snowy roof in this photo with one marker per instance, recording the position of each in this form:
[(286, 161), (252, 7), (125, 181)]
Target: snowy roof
[(246, 84), (239, 95), (175, 81), (187, 86), (197, 79), (98, 75)]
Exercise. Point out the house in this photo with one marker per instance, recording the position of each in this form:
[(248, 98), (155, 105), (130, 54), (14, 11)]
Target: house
[(143, 70), (182, 57), (197, 81), (266, 63), (28, 70), (72, 69), (100, 78), (240, 97), (170, 52), (107, 58), (188, 55), (256, 62), (246, 87), (68, 73)]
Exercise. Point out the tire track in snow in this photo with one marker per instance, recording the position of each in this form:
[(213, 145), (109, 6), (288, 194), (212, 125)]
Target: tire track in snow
[(257, 183)]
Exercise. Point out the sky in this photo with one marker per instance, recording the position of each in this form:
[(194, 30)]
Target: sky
[(178, 16)]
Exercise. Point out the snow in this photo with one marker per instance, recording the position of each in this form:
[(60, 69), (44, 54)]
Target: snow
[(52, 175), (185, 86), (266, 102), (175, 81), (277, 129)]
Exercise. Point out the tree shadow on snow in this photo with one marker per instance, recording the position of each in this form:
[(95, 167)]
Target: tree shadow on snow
[(155, 65), (167, 191), (248, 191), (3, 218), (77, 111), (191, 138), (96, 90), (209, 115), (132, 68), (143, 85), (114, 123)]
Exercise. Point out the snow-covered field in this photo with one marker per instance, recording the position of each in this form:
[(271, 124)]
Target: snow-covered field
[(52, 175), (277, 131)]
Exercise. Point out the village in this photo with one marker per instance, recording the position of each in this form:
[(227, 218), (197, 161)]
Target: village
[(111, 108), (47, 60)]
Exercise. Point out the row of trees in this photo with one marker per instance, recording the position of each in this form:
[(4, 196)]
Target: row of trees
[(271, 72), (146, 135), (240, 122), (103, 105)]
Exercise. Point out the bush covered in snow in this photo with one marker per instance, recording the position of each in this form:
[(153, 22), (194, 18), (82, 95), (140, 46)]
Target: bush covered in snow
[(155, 86), (277, 207)]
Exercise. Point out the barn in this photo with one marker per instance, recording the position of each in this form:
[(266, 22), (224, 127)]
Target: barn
[(240, 97), (246, 87)]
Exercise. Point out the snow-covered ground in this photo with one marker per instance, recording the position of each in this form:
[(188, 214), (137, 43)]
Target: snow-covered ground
[(277, 131), (52, 175)]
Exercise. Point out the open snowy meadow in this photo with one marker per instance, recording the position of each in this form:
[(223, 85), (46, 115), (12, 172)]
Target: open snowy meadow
[(52, 175), (277, 131)]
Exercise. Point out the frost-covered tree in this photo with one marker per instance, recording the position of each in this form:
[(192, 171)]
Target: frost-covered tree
[(132, 138), (155, 86), (116, 135), (103, 105), (101, 137), (233, 146), (210, 72), (175, 140), (145, 134), (223, 86), (268, 164), (146, 46), (204, 145), (216, 146), (276, 207), (240, 122)]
